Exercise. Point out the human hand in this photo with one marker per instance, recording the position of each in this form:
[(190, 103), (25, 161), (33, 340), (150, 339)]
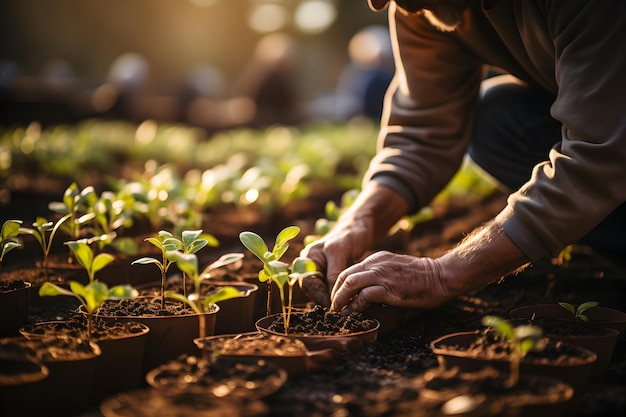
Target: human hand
[(392, 279), (333, 253)]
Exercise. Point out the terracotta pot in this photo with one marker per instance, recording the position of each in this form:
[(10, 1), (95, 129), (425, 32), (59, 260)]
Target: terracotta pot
[(169, 336), (598, 316), (13, 306), (340, 344), (233, 378), (292, 355), (122, 346), (68, 388), (589, 335), (235, 315), (152, 402), (574, 366), (485, 393)]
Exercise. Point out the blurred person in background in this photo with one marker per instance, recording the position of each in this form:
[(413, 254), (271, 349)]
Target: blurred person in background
[(552, 131)]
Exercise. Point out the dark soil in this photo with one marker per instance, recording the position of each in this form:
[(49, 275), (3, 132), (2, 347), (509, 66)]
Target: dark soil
[(250, 379), (142, 307), (491, 345), (77, 328), (319, 321)]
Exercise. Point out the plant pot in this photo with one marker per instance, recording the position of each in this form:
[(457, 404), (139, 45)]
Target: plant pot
[(233, 378), (471, 351), (72, 368), (172, 331), (486, 393), (122, 345), (289, 354), (152, 402), (236, 315), (18, 374), (13, 306), (600, 340), (598, 316), (320, 329)]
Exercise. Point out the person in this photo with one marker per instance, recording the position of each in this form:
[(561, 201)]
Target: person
[(552, 130)]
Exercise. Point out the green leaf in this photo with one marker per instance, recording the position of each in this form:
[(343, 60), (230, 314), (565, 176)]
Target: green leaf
[(223, 294), (49, 289), (254, 243), (189, 236), (10, 228), (186, 262), (147, 260), (501, 325), (122, 291), (83, 252), (287, 234), (586, 306), (100, 261), (569, 307), (196, 245)]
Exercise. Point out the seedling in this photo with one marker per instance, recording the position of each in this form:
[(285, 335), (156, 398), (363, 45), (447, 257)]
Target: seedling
[(521, 340), (190, 243), (75, 204), (188, 263), (87, 258), (90, 295), (44, 232), (578, 311), (277, 271), (8, 237)]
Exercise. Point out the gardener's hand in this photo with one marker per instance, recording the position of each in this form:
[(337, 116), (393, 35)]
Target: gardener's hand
[(366, 222), (406, 281), (333, 253), (393, 279)]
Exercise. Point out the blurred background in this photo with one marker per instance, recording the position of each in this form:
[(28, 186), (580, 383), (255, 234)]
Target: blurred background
[(210, 63)]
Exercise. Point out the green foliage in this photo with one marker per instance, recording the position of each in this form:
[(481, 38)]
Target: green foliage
[(521, 340), (8, 237), (274, 270), (44, 232), (188, 263), (75, 203), (91, 296), (87, 258), (578, 311)]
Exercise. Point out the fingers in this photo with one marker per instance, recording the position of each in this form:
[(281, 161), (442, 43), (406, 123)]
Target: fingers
[(356, 290)]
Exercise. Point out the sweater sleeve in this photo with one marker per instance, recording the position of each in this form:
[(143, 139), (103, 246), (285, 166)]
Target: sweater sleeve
[(429, 110), (584, 176)]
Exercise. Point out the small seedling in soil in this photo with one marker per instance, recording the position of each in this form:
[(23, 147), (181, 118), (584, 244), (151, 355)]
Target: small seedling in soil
[(8, 237), (44, 232), (277, 271), (86, 257), (91, 296), (520, 339), (188, 264), (578, 311)]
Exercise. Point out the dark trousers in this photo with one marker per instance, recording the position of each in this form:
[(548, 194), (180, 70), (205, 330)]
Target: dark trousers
[(514, 131)]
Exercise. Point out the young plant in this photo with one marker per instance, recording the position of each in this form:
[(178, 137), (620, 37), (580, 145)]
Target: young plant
[(8, 237), (255, 244), (90, 295), (191, 242), (76, 203), (188, 263), (578, 311), (44, 232), (87, 258), (281, 273), (521, 340)]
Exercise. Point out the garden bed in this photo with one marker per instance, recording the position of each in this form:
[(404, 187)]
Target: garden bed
[(377, 381)]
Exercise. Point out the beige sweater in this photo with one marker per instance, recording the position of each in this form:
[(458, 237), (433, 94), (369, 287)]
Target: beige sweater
[(575, 49)]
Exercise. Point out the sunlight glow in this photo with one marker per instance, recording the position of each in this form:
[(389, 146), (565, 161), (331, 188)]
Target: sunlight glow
[(315, 16), (266, 18)]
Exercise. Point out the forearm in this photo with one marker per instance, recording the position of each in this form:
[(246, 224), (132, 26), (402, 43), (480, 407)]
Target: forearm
[(487, 254)]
